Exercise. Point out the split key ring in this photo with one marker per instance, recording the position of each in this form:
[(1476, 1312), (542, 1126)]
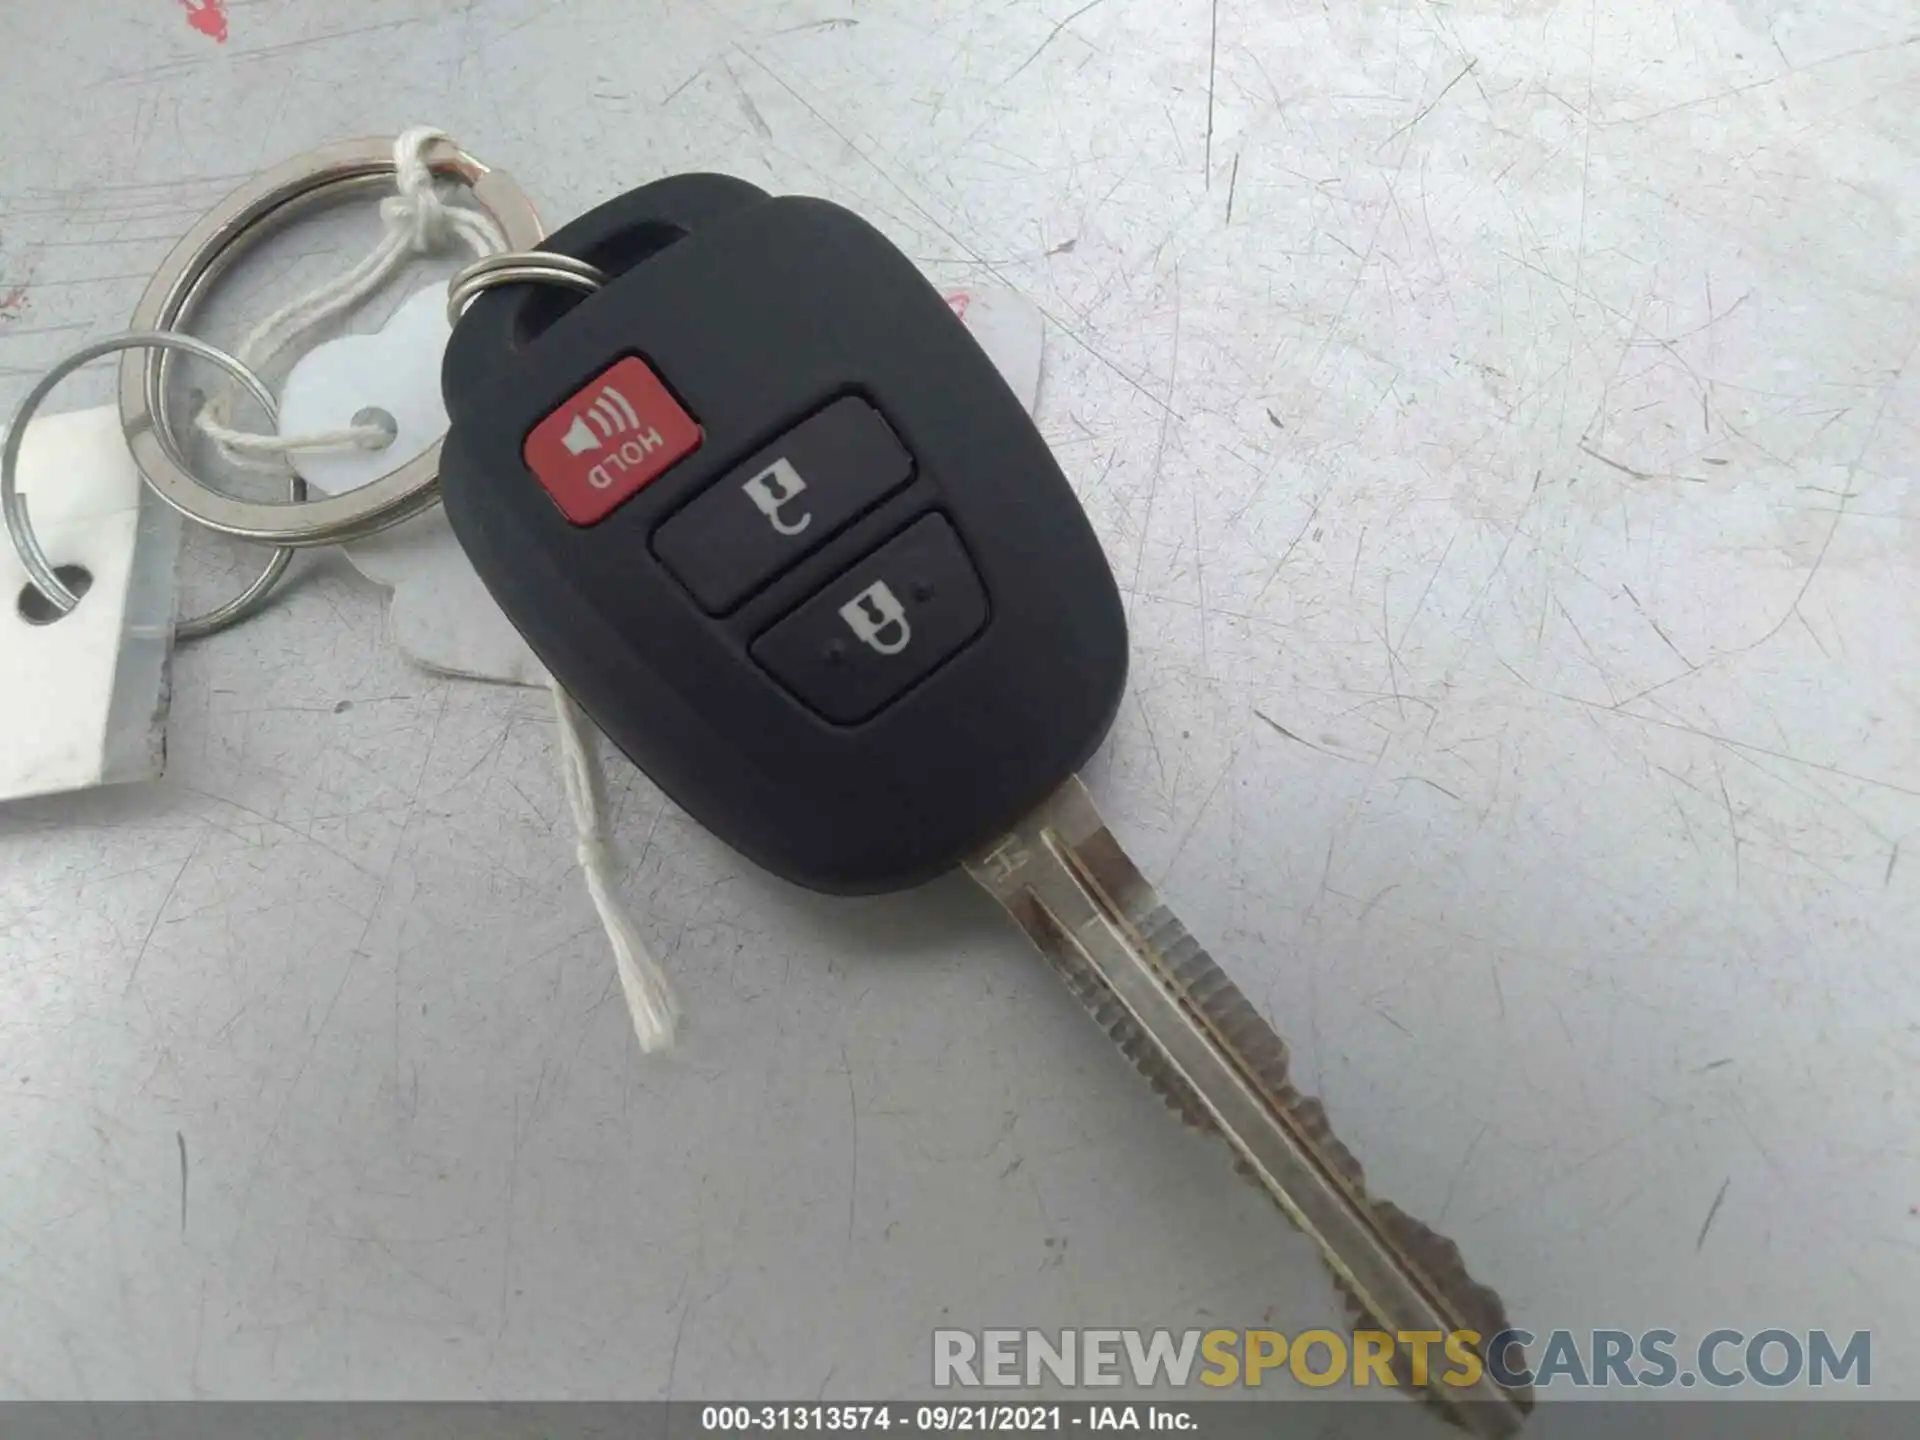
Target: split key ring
[(206, 253)]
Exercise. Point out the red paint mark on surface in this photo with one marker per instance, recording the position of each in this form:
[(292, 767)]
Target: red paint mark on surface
[(209, 17), (13, 302), (958, 302)]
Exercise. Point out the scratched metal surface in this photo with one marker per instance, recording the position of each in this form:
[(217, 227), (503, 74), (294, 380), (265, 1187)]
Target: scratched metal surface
[(1501, 418)]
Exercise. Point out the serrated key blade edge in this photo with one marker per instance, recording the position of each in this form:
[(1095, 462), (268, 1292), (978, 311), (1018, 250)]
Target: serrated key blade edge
[(1189, 1029)]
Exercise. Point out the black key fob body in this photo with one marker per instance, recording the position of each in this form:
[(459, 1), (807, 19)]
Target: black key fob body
[(766, 509)]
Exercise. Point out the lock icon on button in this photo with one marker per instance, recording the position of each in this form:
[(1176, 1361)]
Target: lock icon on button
[(878, 618), (774, 487)]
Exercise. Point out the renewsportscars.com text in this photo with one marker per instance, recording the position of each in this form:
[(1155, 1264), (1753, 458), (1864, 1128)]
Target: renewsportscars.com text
[(1560, 1359)]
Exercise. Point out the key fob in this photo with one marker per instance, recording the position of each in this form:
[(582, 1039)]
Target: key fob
[(769, 513)]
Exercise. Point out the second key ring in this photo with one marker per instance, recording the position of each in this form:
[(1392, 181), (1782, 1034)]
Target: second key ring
[(13, 505), (277, 197)]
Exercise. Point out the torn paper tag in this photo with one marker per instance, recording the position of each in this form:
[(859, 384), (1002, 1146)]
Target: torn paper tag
[(83, 696), (441, 615), (1009, 328)]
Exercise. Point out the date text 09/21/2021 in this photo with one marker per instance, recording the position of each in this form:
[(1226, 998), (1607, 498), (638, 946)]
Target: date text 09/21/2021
[(944, 1418)]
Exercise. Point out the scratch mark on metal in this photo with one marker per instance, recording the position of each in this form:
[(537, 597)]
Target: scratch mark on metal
[(182, 1139), (1432, 785), (1732, 828), (160, 910), (1379, 895), (1840, 511), (853, 1111), (1892, 860), (1628, 470), (1656, 625), (1429, 107), (1052, 35), (991, 267), (1465, 1157), (1292, 545), (674, 94), (1153, 743), (1298, 740), (1200, 814), (1160, 446), (1739, 746), (1752, 85), (1614, 464), (1213, 60), (1421, 603), (1393, 669), (679, 1333), (747, 107), (1233, 184), (1712, 1211)]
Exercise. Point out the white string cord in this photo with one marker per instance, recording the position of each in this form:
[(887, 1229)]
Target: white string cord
[(416, 221), (649, 999)]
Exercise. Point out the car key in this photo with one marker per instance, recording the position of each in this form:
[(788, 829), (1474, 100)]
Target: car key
[(768, 512)]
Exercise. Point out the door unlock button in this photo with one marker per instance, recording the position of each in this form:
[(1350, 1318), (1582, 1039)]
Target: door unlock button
[(782, 503), (881, 628)]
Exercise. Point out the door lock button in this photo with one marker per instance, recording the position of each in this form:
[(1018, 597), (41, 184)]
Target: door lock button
[(784, 502)]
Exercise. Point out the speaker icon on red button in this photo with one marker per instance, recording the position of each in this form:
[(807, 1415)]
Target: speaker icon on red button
[(617, 433), (611, 413)]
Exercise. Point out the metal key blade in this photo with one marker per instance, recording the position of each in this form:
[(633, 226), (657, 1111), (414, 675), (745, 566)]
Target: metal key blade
[(1190, 1031)]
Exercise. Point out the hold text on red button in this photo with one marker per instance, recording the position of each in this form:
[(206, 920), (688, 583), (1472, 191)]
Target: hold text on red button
[(618, 432)]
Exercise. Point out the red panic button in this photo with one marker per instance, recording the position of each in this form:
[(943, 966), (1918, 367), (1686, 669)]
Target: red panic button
[(619, 431)]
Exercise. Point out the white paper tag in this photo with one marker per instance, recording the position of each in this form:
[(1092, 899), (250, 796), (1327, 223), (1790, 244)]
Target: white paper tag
[(83, 697), (1010, 329), (441, 616)]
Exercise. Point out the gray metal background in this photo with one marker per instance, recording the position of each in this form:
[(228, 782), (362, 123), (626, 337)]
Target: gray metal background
[(1501, 417)]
